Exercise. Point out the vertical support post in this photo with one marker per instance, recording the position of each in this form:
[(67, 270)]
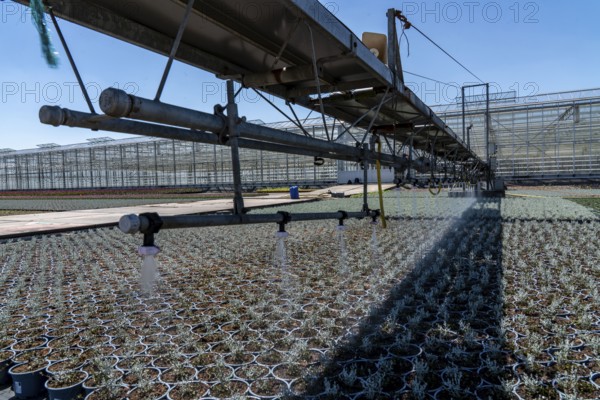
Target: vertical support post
[(215, 165), (106, 172), (77, 169), (17, 174), (137, 159), (27, 170), (575, 110), (527, 141), (365, 177), (6, 173), (52, 186), (122, 166), (287, 167), (232, 126), (464, 120), (155, 164), (513, 143), (394, 60), (194, 163), (591, 138), (487, 133), (64, 170), (544, 151), (262, 175), (174, 163), (39, 162), (91, 168)]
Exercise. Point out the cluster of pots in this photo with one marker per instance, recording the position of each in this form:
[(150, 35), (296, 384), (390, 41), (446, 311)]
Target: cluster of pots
[(229, 318), (552, 307), (414, 311)]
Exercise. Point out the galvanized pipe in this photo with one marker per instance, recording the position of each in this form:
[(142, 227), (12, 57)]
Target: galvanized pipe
[(56, 116), (141, 224), (234, 134), (117, 103)]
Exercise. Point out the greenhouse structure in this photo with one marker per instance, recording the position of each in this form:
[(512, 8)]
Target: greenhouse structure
[(536, 138)]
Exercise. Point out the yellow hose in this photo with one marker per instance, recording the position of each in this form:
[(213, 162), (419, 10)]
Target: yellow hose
[(439, 189), (383, 221)]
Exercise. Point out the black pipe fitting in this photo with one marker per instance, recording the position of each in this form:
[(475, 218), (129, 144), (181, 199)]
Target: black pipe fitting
[(155, 222), (344, 216), (154, 225), (286, 219), (375, 214)]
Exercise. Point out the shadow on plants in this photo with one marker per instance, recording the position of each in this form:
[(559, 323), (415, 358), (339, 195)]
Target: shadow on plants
[(438, 334)]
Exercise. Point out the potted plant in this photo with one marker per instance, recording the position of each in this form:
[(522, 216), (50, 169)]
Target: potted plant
[(109, 392), (5, 363), (101, 373), (187, 391), (66, 385), (28, 379), (148, 390)]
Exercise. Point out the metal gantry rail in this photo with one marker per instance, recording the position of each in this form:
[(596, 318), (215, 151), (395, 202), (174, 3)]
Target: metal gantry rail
[(295, 50)]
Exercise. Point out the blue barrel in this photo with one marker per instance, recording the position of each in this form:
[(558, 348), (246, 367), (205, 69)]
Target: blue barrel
[(294, 193)]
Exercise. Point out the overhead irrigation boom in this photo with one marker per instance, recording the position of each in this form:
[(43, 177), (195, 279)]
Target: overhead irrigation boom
[(295, 50)]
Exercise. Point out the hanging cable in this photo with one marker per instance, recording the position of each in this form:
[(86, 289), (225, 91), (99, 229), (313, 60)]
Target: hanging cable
[(403, 35), (431, 79), (448, 54), (408, 25)]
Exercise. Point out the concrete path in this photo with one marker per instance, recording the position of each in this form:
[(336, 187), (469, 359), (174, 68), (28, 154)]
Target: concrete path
[(13, 226), (26, 225), (347, 190)]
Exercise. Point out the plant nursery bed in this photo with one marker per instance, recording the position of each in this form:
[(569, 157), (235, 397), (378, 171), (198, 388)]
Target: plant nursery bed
[(457, 298)]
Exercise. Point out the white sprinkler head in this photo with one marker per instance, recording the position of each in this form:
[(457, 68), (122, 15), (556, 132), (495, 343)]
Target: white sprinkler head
[(281, 235), (341, 228), (148, 250)]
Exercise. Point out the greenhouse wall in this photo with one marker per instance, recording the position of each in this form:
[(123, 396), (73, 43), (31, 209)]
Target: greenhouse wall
[(545, 136), (147, 162), (541, 137)]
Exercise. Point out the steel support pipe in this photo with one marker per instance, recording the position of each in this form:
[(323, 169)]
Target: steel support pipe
[(119, 104), (56, 116), (133, 223)]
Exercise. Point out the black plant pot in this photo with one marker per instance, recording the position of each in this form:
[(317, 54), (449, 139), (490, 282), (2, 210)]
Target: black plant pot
[(27, 384), (67, 393)]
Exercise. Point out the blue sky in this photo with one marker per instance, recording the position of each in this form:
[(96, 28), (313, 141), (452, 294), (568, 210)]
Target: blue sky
[(524, 46)]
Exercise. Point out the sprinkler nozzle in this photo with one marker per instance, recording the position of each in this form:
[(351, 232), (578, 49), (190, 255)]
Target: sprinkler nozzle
[(148, 250)]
